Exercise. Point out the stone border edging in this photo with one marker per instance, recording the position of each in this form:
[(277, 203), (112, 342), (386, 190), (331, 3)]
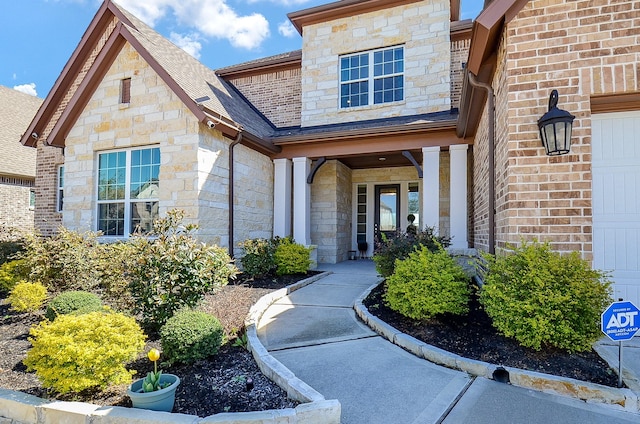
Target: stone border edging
[(625, 399), (21, 408)]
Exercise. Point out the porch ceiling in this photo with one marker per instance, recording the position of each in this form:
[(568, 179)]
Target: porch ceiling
[(379, 160)]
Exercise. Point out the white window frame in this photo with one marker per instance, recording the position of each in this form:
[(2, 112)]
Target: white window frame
[(60, 188), (32, 198), (370, 78), (127, 200)]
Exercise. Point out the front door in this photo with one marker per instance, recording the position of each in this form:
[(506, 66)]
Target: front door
[(387, 208)]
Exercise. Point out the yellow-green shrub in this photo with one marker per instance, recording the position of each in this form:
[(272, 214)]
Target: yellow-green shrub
[(11, 273), (78, 352), (27, 297), (542, 298), (291, 258), (426, 284)]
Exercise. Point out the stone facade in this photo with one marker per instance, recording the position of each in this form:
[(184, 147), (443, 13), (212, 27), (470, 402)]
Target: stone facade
[(277, 95), (582, 49), (194, 170), (16, 215), (423, 28), (331, 208)]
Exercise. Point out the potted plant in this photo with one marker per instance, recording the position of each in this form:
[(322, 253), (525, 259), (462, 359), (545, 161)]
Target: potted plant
[(157, 391)]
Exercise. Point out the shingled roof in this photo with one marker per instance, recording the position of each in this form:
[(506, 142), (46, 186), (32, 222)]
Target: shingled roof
[(16, 111)]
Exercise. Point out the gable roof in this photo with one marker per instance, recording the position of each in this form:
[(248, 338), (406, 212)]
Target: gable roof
[(205, 94), (15, 114)]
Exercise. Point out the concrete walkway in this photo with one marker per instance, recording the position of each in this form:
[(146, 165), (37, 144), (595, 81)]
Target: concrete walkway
[(315, 333)]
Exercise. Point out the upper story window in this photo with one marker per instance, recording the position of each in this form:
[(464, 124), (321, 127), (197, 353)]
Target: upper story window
[(125, 91), (128, 191), (60, 189), (372, 77)]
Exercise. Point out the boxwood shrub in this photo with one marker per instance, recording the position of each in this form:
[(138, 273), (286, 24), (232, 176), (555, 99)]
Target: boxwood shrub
[(190, 335), (72, 302)]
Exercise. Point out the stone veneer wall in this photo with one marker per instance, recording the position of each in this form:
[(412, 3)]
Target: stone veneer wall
[(331, 211), (423, 28), (275, 94), (582, 49), (47, 220), (15, 213)]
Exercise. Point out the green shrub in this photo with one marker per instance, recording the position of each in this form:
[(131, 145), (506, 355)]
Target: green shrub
[(174, 270), (542, 298), (65, 261), (258, 259), (78, 302), (291, 258), (426, 284), (78, 352), (113, 262), (27, 297), (10, 249), (11, 272), (191, 335), (399, 246)]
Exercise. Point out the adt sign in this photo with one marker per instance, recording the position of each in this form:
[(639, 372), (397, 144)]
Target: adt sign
[(620, 321)]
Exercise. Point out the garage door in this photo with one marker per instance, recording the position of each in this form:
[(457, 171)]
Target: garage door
[(616, 200)]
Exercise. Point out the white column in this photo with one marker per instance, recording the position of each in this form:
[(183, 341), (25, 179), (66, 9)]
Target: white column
[(301, 201), (282, 198), (458, 212), (430, 187)]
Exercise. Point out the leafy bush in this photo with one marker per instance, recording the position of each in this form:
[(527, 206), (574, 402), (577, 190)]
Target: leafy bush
[(291, 258), (113, 262), (174, 270), (66, 261), (542, 298), (258, 259), (426, 284), (190, 335), (10, 273), (78, 352), (389, 249), (79, 302), (9, 249), (27, 297)]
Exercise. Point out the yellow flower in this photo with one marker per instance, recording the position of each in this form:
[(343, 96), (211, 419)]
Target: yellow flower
[(154, 355)]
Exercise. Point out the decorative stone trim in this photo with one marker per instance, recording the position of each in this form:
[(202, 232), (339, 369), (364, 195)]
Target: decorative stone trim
[(625, 399)]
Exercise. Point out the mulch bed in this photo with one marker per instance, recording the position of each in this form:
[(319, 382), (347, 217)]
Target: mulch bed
[(207, 387), (473, 337)]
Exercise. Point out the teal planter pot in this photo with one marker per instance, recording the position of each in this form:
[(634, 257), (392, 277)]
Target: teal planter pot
[(160, 400)]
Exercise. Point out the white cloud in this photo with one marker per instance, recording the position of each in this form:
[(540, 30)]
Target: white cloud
[(212, 18), (284, 2), (287, 29), (189, 43), (27, 89)]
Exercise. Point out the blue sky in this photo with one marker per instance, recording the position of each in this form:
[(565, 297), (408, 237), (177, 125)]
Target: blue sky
[(37, 37)]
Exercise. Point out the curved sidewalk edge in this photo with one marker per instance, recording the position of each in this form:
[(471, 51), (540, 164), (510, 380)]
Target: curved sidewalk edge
[(625, 399), (21, 408)]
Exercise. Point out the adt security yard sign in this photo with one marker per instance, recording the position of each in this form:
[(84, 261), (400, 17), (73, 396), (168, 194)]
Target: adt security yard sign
[(620, 321)]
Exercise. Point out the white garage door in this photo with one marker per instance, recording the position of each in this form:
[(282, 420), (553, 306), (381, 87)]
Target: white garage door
[(616, 200)]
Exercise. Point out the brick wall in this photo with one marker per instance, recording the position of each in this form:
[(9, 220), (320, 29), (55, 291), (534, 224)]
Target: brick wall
[(459, 55), (423, 29), (582, 49), (275, 94), (15, 213)]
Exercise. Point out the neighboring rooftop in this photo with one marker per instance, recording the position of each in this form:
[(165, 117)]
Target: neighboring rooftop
[(16, 112)]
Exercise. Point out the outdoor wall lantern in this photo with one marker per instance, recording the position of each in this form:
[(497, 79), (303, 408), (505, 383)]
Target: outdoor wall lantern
[(555, 128)]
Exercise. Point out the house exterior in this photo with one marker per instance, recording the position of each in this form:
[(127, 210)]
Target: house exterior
[(384, 112), (17, 163)]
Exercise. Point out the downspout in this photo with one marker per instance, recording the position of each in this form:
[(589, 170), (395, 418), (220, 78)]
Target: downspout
[(231, 191), (492, 171)]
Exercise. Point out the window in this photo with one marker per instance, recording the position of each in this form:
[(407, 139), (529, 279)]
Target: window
[(372, 77), (60, 189), (125, 90), (128, 191), (32, 199)]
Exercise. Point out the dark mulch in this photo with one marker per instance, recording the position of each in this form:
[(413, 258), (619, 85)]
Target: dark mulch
[(473, 337), (207, 387)]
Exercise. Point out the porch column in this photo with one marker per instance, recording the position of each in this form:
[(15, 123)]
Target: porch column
[(430, 187), (458, 211), (301, 201), (282, 198)]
